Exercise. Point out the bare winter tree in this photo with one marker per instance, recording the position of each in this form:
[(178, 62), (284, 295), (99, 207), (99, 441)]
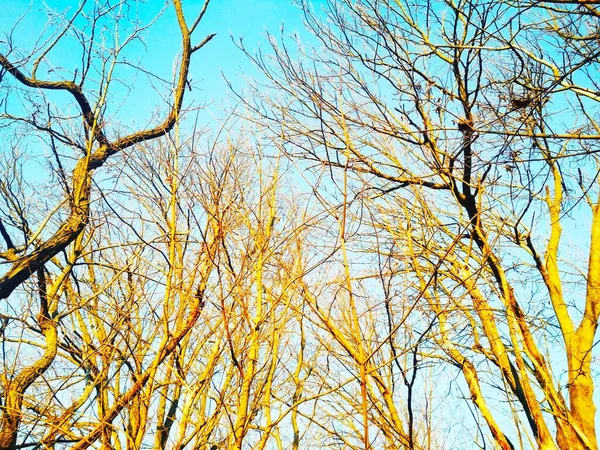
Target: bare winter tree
[(435, 286), (470, 132), (46, 221), (96, 145)]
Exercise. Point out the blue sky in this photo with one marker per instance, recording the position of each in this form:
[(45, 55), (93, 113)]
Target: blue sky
[(250, 19), (134, 102)]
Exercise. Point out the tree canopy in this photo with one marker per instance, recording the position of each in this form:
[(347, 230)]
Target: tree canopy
[(392, 241)]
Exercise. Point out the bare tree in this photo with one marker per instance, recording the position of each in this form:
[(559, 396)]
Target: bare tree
[(50, 240), (94, 145), (436, 285), (471, 131)]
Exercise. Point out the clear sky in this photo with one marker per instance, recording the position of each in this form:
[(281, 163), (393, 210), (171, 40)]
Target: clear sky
[(249, 19)]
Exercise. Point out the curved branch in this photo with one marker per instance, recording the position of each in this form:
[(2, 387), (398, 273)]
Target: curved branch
[(82, 174)]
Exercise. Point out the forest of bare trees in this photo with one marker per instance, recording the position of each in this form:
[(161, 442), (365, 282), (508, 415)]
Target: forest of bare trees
[(392, 241)]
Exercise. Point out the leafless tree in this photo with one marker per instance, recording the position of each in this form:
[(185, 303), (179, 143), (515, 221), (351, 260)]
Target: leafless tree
[(470, 130), (46, 237)]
